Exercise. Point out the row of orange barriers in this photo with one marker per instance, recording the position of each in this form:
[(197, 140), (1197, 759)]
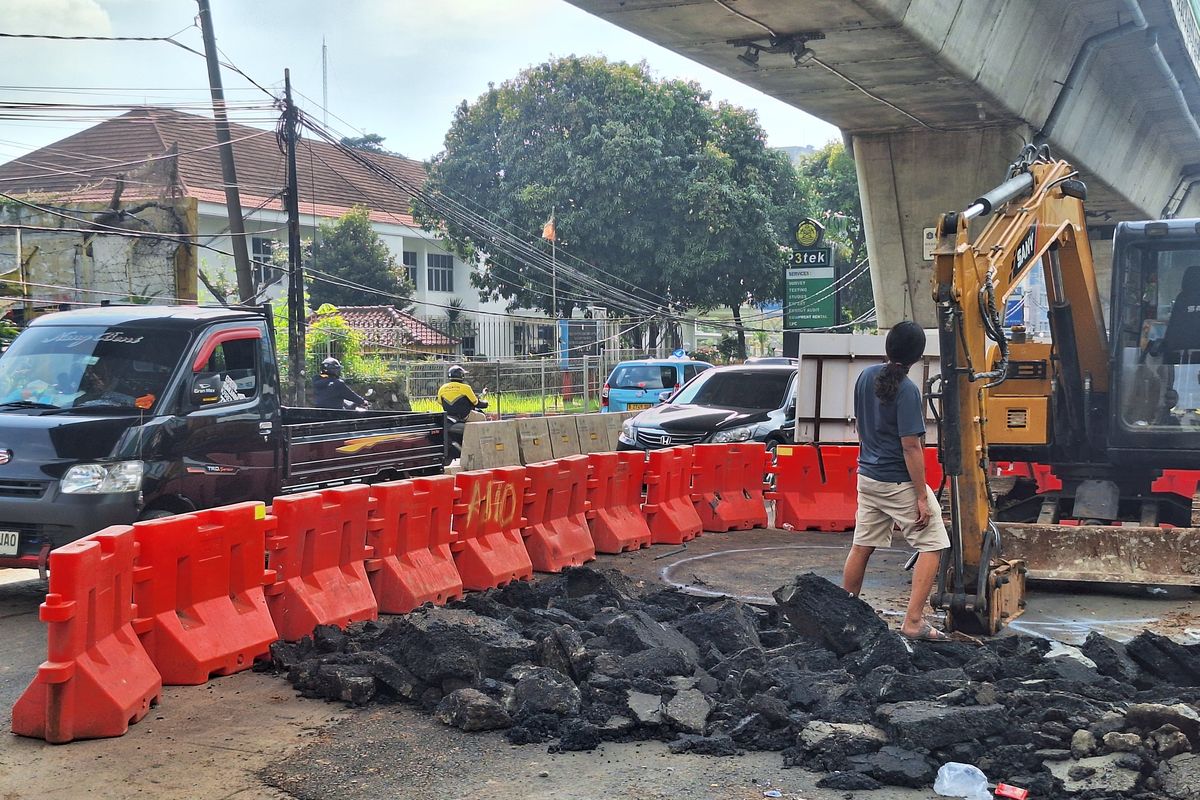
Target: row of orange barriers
[(177, 600)]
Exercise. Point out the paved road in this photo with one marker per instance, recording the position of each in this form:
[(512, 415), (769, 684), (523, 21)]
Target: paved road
[(248, 736)]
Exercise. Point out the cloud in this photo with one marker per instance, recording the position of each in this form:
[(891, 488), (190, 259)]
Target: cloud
[(57, 17)]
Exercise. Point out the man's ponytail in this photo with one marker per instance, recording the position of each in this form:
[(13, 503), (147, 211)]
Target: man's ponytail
[(887, 382)]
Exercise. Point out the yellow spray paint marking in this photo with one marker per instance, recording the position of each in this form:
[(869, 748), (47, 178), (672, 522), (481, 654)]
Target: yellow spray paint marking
[(494, 502), (365, 442)]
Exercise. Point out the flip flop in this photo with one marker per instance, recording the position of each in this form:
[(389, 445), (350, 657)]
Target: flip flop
[(927, 633)]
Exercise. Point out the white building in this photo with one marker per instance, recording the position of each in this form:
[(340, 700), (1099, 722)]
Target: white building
[(90, 165)]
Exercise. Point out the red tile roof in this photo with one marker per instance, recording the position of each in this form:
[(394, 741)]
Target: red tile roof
[(83, 166), (388, 326)]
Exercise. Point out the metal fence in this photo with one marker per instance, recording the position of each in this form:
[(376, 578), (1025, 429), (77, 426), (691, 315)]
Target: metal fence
[(515, 387)]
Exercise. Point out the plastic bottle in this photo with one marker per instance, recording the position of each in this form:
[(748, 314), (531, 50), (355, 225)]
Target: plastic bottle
[(961, 780)]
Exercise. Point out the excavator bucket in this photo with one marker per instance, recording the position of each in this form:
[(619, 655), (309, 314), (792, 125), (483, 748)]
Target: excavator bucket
[(1105, 553)]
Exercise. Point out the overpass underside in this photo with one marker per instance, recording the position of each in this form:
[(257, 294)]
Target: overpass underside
[(936, 97)]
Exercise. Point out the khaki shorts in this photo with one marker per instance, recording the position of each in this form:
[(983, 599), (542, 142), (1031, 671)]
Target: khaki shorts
[(881, 506)]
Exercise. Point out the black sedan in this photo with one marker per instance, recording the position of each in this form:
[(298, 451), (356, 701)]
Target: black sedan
[(748, 403)]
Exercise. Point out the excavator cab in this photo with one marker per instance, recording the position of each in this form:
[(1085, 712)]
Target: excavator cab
[(1155, 396)]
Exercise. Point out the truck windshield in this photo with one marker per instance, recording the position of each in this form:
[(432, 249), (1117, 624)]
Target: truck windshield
[(736, 389), (85, 366)]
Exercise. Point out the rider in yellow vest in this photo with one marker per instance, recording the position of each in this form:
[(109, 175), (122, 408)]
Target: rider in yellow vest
[(456, 395)]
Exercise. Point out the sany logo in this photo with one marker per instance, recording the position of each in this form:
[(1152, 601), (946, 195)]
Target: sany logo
[(1024, 251)]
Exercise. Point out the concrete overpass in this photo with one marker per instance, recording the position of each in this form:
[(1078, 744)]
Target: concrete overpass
[(935, 98)]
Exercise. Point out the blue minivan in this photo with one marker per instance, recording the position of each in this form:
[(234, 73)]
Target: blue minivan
[(636, 385)]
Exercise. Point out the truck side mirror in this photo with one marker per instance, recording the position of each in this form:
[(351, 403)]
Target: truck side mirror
[(206, 389)]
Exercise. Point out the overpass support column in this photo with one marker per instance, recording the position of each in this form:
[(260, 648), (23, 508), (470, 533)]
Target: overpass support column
[(906, 179)]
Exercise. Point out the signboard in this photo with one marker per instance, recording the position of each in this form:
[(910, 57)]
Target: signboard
[(928, 243), (810, 301), (577, 338), (809, 297)]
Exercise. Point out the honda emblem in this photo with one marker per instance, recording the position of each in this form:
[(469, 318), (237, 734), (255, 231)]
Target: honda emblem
[(664, 439), (5, 457)]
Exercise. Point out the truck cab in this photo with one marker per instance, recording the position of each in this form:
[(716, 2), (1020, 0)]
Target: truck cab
[(117, 414)]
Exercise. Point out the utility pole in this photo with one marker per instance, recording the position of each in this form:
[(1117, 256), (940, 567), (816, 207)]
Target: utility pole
[(233, 198), (324, 84), (296, 310)]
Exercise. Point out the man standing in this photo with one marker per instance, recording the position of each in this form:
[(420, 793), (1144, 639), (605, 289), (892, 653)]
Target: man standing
[(891, 476)]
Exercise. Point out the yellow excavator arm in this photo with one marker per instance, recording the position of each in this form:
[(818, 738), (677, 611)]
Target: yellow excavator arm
[(1037, 220)]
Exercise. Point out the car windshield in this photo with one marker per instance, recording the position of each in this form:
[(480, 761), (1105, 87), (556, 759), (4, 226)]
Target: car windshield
[(88, 366), (748, 389), (643, 376)]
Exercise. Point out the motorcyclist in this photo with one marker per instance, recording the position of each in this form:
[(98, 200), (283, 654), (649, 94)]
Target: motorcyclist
[(458, 401), (330, 391)]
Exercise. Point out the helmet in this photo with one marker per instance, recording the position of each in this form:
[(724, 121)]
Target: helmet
[(331, 367), (456, 373)]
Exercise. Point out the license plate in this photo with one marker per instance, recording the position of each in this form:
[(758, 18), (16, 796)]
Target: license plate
[(637, 406), (10, 542)]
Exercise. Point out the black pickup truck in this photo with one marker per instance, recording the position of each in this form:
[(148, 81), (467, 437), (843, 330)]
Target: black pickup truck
[(122, 413)]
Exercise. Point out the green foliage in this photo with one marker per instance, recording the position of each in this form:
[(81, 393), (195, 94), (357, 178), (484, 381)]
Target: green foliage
[(8, 332), (351, 250), (828, 185), (368, 141), (330, 335), (728, 347), (648, 181)]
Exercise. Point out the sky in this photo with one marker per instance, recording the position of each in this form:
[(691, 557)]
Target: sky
[(396, 67)]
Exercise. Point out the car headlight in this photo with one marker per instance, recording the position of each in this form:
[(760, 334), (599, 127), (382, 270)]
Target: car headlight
[(123, 476), (740, 434), (627, 432)]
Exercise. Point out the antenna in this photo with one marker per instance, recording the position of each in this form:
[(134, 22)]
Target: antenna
[(324, 84)]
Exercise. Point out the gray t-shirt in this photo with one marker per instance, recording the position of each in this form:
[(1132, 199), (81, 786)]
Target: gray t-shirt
[(880, 426)]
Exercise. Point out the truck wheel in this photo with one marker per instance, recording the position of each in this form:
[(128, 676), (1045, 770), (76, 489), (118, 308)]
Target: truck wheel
[(155, 513)]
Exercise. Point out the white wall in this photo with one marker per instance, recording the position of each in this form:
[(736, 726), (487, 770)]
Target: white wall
[(212, 224)]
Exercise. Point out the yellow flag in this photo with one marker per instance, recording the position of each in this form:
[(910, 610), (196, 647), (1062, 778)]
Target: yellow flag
[(548, 230)]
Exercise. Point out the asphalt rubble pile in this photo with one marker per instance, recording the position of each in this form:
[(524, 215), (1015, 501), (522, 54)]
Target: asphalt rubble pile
[(586, 656)]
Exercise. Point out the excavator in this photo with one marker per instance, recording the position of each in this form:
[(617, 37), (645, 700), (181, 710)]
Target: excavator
[(1104, 410)]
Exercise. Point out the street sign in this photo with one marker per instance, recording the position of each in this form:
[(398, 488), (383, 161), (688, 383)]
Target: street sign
[(810, 301)]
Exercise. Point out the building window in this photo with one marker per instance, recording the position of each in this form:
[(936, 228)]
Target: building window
[(440, 273), (409, 259), (261, 249)]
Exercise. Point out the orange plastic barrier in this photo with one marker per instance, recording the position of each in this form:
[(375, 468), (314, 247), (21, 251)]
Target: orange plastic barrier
[(839, 493), (668, 509), (318, 548), (727, 485), (615, 497), (933, 468), (409, 530), (198, 585), (488, 548), (97, 678), (556, 529), (797, 487)]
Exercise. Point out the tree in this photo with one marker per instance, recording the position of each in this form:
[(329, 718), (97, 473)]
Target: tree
[(829, 187), (627, 164), (350, 250), (741, 208), (368, 141)]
